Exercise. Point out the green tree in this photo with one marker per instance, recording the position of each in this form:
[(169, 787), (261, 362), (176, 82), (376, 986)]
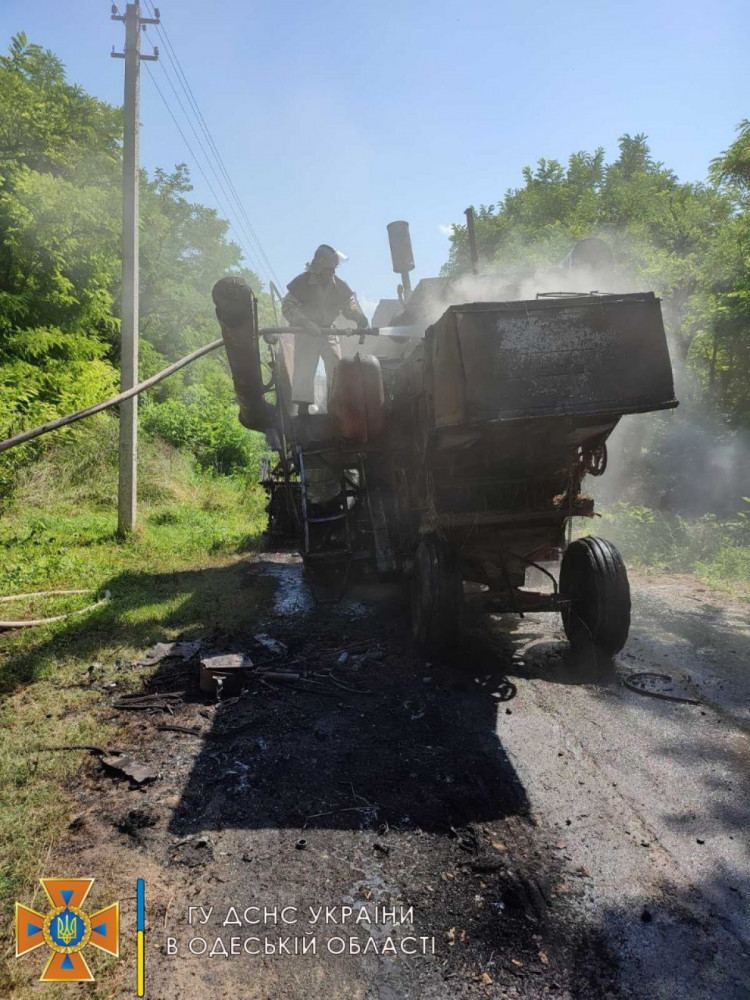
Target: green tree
[(726, 344), (60, 267)]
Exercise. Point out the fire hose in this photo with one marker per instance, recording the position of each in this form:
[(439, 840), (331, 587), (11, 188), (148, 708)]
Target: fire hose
[(106, 404), (25, 623), (52, 425), (89, 411)]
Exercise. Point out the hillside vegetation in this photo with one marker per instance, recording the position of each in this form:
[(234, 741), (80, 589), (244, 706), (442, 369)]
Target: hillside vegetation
[(60, 205)]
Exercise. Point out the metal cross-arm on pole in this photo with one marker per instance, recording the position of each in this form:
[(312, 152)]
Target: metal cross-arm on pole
[(128, 478)]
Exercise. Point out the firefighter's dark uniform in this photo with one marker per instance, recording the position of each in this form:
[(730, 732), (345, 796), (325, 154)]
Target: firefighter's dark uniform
[(314, 304)]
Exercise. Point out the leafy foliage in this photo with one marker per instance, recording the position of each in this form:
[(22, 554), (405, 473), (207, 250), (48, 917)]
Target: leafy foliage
[(717, 550)]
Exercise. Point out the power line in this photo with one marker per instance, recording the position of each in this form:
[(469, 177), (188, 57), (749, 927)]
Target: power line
[(197, 162), (254, 259), (187, 90), (174, 59), (182, 79)]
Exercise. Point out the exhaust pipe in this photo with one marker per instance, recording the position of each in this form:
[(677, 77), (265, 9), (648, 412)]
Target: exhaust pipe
[(472, 235), (237, 313), (402, 255)]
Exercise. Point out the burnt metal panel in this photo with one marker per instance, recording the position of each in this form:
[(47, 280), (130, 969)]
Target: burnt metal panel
[(548, 357)]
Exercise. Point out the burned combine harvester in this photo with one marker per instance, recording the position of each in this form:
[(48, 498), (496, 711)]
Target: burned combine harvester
[(457, 436)]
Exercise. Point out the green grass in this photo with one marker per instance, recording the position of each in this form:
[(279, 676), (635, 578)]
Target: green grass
[(716, 551), (179, 574)]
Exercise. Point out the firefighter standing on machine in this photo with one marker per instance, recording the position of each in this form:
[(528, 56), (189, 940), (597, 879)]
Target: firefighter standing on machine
[(316, 298)]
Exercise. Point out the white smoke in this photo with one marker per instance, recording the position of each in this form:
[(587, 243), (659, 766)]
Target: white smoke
[(681, 460)]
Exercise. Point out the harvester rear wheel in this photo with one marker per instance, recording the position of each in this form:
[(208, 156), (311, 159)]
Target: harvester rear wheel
[(436, 595), (594, 583)]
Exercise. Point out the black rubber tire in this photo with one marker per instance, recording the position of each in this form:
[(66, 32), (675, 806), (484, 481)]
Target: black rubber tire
[(284, 510), (594, 580), (436, 595)]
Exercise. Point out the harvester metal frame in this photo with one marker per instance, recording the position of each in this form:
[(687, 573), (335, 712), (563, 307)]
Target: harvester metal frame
[(493, 418)]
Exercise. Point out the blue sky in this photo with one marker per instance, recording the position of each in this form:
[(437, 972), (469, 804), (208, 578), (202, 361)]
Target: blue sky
[(335, 118)]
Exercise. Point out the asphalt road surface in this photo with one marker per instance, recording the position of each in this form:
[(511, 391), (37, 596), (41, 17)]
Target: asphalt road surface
[(512, 822), (655, 792)]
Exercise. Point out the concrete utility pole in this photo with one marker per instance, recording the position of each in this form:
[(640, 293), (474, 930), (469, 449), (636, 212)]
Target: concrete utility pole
[(128, 485)]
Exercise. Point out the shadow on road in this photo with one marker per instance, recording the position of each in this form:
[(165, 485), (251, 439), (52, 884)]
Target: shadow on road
[(390, 740), (401, 789)]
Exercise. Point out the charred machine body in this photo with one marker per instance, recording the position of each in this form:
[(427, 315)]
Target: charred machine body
[(457, 437)]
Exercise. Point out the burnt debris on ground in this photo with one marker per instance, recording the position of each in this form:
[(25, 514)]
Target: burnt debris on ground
[(367, 773)]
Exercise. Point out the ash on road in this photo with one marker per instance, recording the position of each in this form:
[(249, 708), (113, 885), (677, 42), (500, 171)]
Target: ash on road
[(554, 832)]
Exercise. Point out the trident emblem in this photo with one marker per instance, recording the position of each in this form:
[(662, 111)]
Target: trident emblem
[(66, 931)]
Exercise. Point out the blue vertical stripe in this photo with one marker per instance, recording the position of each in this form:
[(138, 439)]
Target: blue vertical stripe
[(141, 918)]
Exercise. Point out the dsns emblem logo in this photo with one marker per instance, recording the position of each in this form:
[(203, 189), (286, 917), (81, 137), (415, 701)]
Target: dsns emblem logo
[(67, 929)]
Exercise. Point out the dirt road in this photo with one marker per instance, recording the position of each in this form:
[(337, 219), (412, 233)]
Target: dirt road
[(512, 823)]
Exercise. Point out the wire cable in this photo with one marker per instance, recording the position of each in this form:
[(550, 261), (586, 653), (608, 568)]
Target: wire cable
[(187, 90), (174, 58), (190, 96), (253, 257), (197, 162)]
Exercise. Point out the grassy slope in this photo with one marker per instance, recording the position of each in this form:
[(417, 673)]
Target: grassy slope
[(178, 575)]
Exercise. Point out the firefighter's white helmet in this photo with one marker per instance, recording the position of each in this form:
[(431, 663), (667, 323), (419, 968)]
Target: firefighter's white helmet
[(326, 256)]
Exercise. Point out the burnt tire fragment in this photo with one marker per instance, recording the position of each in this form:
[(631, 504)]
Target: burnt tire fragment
[(594, 585), (436, 595)]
